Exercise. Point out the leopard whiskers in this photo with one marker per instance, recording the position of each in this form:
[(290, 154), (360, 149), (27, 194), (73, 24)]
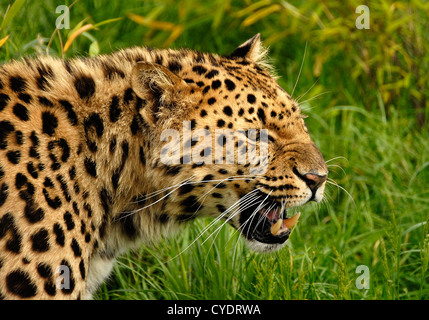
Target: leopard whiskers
[(335, 158), (249, 220), (305, 93), (235, 212), (262, 216), (332, 182), (129, 213), (283, 203), (157, 192), (258, 208), (248, 197), (253, 214), (300, 70), (315, 97), (216, 232), (336, 166), (187, 181), (230, 178), (245, 204), (234, 205), (326, 199)]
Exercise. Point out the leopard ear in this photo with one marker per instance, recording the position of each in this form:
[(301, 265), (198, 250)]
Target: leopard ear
[(251, 49), (160, 88), (150, 78)]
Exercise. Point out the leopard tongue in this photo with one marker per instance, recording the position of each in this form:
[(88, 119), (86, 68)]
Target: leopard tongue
[(287, 224)]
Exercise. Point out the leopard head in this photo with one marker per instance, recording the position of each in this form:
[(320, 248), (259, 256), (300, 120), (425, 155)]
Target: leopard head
[(206, 114)]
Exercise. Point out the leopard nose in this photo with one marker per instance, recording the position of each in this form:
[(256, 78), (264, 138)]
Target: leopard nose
[(314, 181)]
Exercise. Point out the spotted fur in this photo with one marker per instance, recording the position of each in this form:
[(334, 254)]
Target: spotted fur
[(81, 179)]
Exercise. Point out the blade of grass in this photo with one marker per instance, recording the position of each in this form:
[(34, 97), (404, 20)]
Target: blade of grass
[(11, 13), (3, 41), (74, 35)]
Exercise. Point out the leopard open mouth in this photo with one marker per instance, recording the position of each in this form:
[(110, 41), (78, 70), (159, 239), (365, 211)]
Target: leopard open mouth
[(270, 224)]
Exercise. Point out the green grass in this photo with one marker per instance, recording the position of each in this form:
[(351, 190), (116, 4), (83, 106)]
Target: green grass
[(366, 95)]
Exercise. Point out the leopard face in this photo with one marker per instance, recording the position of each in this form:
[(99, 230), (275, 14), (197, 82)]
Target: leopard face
[(229, 98)]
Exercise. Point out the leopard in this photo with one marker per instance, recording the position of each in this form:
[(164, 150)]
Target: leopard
[(82, 175)]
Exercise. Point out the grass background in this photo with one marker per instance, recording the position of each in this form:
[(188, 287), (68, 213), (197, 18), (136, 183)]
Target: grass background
[(366, 93)]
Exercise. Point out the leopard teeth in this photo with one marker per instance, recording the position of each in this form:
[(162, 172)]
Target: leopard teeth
[(276, 227), (289, 223)]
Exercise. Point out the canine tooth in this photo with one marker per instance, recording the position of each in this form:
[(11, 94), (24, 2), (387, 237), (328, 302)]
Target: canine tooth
[(276, 226), (292, 220), (285, 229)]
